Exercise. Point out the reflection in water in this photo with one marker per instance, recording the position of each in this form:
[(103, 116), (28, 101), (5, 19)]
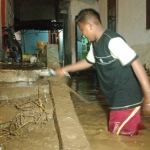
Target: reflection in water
[(93, 118)]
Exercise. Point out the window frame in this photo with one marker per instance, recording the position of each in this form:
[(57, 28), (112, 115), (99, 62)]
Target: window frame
[(111, 7), (147, 14)]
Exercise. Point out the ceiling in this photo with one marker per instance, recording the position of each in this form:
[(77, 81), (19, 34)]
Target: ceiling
[(40, 14)]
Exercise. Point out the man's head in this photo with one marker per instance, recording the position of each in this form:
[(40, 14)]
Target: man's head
[(88, 21), (87, 15)]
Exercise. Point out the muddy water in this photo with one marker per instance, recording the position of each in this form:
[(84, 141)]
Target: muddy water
[(93, 118)]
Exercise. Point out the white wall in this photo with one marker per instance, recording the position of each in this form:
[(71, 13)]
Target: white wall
[(102, 8), (132, 21), (75, 7), (132, 25)]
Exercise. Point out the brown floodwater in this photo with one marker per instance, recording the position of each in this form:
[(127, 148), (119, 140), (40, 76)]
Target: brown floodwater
[(93, 118)]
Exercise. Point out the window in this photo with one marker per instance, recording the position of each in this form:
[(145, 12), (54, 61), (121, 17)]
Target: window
[(112, 14), (147, 14)]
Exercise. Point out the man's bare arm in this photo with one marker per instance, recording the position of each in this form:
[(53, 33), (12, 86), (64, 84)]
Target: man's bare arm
[(80, 65), (141, 75), (145, 85)]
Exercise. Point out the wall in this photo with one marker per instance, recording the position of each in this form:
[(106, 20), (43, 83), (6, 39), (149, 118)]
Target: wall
[(132, 21), (132, 25), (102, 7), (30, 38), (9, 13)]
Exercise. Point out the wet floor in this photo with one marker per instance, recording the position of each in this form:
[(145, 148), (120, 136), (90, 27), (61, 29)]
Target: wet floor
[(93, 118)]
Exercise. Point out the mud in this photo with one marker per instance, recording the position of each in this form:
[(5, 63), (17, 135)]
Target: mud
[(27, 124)]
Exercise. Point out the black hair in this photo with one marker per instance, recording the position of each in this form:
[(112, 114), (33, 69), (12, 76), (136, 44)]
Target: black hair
[(86, 14)]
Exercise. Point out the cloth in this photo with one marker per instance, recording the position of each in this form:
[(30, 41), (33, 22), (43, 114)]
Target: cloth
[(115, 74), (132, 127)]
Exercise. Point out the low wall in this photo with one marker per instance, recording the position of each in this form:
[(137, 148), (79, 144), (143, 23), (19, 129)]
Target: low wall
[(71, 134)]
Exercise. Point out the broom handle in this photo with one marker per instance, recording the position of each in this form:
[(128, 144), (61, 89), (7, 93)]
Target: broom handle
[(129, 117)]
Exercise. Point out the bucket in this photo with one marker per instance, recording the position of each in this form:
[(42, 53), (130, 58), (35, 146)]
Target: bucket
[(41, 44)]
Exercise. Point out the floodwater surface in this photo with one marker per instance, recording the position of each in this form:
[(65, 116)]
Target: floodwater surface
[(93, 117)]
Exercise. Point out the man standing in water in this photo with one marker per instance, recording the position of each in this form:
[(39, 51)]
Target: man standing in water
[(121, 75)]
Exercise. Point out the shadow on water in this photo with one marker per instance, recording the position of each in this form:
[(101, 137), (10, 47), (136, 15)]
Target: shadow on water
[(85, 83)]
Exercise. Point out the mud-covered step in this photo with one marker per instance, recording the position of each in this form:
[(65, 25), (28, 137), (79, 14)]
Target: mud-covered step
[(15, 90)]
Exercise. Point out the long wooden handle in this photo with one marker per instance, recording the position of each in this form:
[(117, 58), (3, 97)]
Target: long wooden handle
[(131, 115)]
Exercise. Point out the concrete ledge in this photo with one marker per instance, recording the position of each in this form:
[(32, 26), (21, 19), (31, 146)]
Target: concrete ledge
[(19, 75), (71, 134), (16, 90)]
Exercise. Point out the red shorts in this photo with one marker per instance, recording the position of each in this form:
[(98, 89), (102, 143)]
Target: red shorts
[(117, 117)]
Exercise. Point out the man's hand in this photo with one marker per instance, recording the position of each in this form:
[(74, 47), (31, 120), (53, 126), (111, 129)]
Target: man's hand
[(60, 72), (80, 65), (145, 85), (146, 105)]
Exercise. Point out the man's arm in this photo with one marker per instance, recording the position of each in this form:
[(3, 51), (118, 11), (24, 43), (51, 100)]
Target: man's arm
[(80, 65), (145, 84), (141, 75)]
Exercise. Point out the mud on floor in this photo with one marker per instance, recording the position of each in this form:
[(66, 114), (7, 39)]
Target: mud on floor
[(27, 124)]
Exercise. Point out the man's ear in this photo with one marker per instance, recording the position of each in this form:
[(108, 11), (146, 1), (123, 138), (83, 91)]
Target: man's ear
[(89, 25)]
